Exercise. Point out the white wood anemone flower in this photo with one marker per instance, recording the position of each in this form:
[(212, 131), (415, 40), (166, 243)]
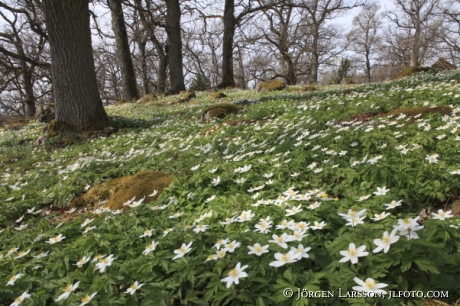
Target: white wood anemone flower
[(369, 285), (87, 298), (132, 289), (67, 291), (235, 274), (20, 298), (104, 263), (55, 239), (385, 242), (184, 249), (353, 253)]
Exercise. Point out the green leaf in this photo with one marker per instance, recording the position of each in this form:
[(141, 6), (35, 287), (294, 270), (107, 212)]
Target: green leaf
[(426, 265)]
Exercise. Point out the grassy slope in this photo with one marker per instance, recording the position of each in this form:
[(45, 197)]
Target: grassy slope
[(301, 129)]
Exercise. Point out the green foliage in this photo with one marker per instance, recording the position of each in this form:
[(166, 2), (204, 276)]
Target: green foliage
[(199, 83)]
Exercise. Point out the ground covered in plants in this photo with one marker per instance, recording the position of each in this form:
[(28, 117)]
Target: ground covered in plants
[(337, 190)]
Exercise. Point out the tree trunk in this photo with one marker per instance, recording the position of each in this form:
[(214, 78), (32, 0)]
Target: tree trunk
[(314, 55), (29, 90), (368, 66), (227, 50), (173, 30), (162, 64), (291, 78), (128, 76), (145, 76), (78, 104), (414, 54)]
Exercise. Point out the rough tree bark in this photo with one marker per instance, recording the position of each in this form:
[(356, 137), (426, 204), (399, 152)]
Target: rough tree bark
[(173, 30), (227, 52), (78, 105), (128, 76)]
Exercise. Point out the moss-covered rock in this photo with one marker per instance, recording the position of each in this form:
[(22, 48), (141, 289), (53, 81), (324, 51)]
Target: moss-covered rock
[(118, 191), (308, 88), (45, 112), (420, 110), (219, 111), (121, 102), (218, 95), (186, 96), (271, 85), (147, 98), (443, 64), (347, 81), (348, 91), (410, 71)]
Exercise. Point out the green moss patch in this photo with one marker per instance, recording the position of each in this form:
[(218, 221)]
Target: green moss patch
[(218, 95), (219, 111), (186, 96), (120, 190), (271, 85), (147, 98)]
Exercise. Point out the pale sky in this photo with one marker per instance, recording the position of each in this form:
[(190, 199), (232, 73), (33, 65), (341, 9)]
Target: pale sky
[(347, 19)]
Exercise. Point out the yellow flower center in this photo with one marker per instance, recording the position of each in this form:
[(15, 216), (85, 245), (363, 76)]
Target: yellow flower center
[(133, 287), (233, 273), (21, 253), (13, 278), (67, 289), (18, 299), (352, 252), (370, 284), (385, 239), (258, 248), (284, 257), (105, 260), (86, 299)]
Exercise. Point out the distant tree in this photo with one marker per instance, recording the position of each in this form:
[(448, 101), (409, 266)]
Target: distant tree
[(363, 37), (23, 44), (152, 17), (417, 20), (199, 83), (78, 104), (342, 71), (284, 33), (128, 76), (231, 22), (320, 11), (450, 28), (175, 60)]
